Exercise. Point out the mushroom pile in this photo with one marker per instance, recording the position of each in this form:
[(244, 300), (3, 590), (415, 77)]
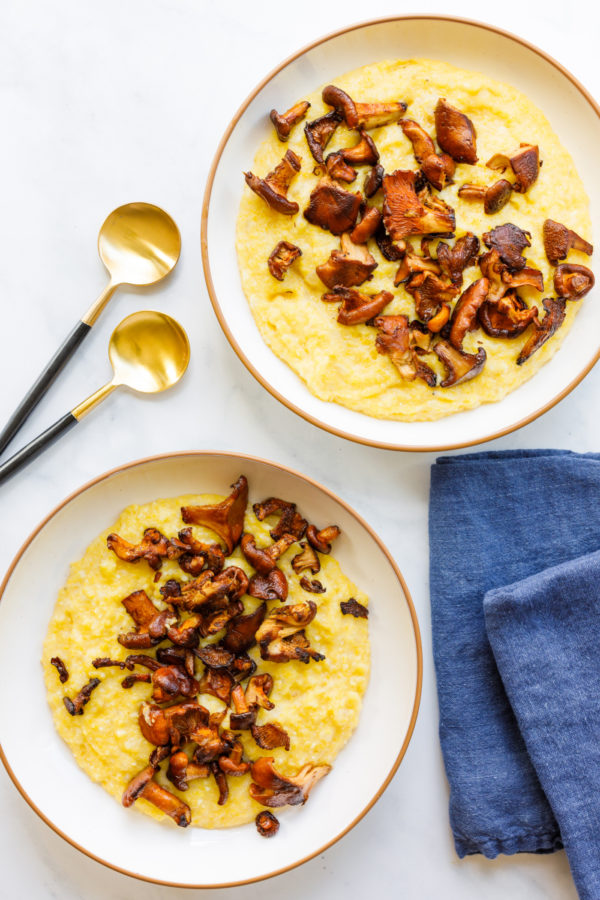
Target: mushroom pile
[(174, 654), (412, 208)]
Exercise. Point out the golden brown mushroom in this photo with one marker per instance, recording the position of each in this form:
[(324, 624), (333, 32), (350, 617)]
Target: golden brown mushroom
[(284, 123), (544, 328), (507, 317), (464, 318), (412, 263), (75, 707), (321, 540), (273, 586), (233, 763), (153, 547), (455, 133), (217, 682), (373, 181), (270, 788), (407, 212), (281, 258), (367, 226), (495, 196), (394, 340), (244, 715), (143, 786), (281, 636), (510, 241), (152, 624), (241, 631), (270, 736), (174, 725), (63, 673), (308, 559), (169, 682), (388, 249), (573, 282), (332, 208), (338, 168), (319, 132), (265, 559), (349, 266), (266, 824), (363, 153), (225, 518), (437, 168), (362, 115), (525, 163), (454, 260), (430, 292), (182, 770), (461, 366), (215, 656), (274, 187), (290, 522), (502, 279), (231, 582), (352, 607), (357, 308), (558, 240), (259, 687)]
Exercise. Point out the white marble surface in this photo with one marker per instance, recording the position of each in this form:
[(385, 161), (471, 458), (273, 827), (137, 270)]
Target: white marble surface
[(102, 103)]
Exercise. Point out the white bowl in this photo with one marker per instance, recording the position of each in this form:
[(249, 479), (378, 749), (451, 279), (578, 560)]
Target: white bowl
[(45, 772), (575, 117)]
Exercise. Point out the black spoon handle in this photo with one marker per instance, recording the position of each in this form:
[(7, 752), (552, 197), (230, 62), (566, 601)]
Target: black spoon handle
[(35, 393), (35, 447)]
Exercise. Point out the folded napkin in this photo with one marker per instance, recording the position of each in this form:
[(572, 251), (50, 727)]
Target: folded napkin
[(515, 599)]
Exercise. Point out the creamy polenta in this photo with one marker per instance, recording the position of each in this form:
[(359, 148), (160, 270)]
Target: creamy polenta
[(340, 363), (317, 704)]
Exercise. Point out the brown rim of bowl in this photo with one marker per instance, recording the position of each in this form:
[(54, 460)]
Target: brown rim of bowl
[(413, 616), (204, 241)]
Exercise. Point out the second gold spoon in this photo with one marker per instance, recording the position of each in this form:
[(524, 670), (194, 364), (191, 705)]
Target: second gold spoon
[(139, 244), (149, 352)]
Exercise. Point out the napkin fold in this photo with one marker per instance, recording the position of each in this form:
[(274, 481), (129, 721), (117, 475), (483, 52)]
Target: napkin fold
[(514, 579)]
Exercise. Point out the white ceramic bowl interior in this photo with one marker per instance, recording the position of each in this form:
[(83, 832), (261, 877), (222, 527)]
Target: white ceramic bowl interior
[(464, 44), (125, 839)]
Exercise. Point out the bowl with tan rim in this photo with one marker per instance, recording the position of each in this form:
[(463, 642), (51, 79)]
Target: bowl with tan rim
[(65, 797), (574, 117)]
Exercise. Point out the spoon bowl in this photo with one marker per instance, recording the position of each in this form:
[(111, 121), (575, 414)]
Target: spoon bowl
[(139, 244), (149, 352)]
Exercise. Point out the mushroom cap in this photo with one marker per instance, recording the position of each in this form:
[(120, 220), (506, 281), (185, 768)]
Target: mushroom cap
[(455, 133)]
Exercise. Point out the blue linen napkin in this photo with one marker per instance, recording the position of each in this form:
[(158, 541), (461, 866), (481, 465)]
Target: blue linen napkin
[(545, 635), (496, 519)]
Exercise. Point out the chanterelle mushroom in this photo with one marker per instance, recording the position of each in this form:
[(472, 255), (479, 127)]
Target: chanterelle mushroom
[(241, 631), (437, 168), (544, 329), (407, 212), (362, 115), (225, 518), (284, 123), (281, 637), (282, 256), (322, 539), (75, 706), (273, 586), (153, 547), (367, 226), (495, 196), (510, 241), (430, 292), (349, 266), (525, 163), (332, 208), (265, 559), (558, 240), (266, 824), (319, 132), (454, 260), (507, 317), (274, 187), (464, 318), (502, 279), (394, 340), (174, 725), (357, 308), (455, 133), (461, 366), (572, 281), (290, 521), (143, 786), (270, 788)]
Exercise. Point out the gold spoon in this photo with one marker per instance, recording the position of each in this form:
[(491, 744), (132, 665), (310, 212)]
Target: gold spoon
[(149, 352), (139, 244)]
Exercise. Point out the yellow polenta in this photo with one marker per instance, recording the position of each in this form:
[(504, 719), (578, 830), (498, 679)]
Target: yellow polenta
[(340, 363), (318, 704)]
